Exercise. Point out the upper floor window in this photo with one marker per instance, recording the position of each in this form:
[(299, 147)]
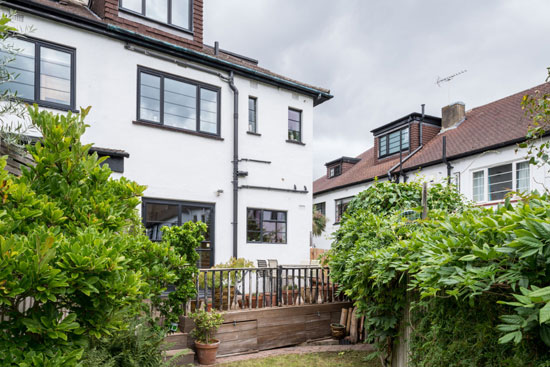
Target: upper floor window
[(320, 208), (180, 103), (389, 144), (341, 205), (177, 13), (266, 226), (41, 73), (294, 125), (253, 114), (335, 171), (494, 183)]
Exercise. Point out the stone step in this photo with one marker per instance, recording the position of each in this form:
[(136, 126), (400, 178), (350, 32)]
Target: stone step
[(176, 341), (181, 357)]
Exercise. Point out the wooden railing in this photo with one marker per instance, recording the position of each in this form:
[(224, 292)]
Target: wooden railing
[(248, 288)]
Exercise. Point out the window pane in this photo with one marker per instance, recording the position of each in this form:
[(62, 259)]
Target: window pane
[(180, 13), (21, 68), (252, 115), (157, 9), (294, 128), (522, 177), (479, 185), (205, 260), (294, 115), (150, 98), (180, 104), (269, 227), (134, 5), (405, 137), (158, 216), (500, 181), (394, 142), (209, 111), (383, 145), (55, 76)]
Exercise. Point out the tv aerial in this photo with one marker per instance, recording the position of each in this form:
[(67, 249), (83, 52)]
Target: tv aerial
[(448, 79)]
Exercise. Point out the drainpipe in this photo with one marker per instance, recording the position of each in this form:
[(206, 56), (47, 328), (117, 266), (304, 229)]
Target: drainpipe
[(235, 162), (449, 167)]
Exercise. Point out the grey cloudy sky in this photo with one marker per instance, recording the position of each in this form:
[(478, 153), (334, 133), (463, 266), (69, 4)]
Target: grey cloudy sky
[(381, 59)]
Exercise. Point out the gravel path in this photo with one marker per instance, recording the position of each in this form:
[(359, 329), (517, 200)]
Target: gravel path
[(295, 350)]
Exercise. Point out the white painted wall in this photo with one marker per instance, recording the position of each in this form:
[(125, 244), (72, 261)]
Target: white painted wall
[(539, 179), (184, 167)]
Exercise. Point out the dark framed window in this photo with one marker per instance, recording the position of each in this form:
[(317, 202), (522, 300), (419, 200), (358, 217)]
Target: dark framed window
[(178, 102), (341, 206), (294, 125), (252, 114), (177, 13), (42, 73), (266, 226), (320, 208), (335, 171), (158, 213), (389, 144)]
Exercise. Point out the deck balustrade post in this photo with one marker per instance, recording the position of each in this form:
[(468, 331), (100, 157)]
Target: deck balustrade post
[(279, 285)]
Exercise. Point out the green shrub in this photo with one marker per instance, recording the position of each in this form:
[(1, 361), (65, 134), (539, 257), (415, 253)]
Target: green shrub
[(71, 241), (206, 325)]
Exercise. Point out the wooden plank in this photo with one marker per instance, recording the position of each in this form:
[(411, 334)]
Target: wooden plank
[(258, 314), (344, 316), (243, 345), (325, 316), (238, 326), (286, 320), (353, 327), (348, 320), (238, 335)]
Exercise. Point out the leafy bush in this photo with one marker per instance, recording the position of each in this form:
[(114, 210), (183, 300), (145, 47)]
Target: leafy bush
[(71, 245), (138, 345), (206, 325)]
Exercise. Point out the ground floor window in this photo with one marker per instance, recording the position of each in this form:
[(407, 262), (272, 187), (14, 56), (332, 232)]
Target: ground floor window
[(341, 205), (494, 183), (266, 226), (159, 213)]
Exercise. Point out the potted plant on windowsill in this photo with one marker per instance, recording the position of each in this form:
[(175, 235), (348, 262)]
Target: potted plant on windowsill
[(206, 325)]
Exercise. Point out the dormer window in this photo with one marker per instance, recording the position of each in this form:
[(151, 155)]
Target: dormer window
[(176, 13), (390, 143), (335, 171)]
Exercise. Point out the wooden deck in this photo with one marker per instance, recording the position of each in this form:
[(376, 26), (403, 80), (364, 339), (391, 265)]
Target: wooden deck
[(267, 328)]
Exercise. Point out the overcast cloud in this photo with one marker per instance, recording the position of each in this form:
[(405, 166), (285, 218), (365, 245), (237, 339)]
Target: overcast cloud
[(381, 59)]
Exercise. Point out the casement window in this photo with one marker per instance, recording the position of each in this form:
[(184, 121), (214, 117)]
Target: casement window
[(266, 226), (178, 103), (177, 13), (389, 144), (253, 114), (494, 183), (341, 206), (294, 125), (41, 72), (320, 208), (159, 213), (335, 171)]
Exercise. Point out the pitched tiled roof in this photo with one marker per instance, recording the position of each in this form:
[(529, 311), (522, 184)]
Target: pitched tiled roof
[(362, 171), (73, 9), (499, 123)]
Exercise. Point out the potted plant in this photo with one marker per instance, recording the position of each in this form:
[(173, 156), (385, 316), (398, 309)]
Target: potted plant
[(206, 325)]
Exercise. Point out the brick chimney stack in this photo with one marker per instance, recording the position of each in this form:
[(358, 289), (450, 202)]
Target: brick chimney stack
[(452, 115)]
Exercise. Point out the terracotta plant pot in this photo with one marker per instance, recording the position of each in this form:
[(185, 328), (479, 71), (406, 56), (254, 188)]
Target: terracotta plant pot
[(206, 353)]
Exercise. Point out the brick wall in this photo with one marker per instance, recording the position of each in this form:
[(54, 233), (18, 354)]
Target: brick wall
[(108, 10), (429, 132), (414, 136)]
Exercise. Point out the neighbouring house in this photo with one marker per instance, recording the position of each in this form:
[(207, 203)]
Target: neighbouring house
[(475, 150), (213, 135)]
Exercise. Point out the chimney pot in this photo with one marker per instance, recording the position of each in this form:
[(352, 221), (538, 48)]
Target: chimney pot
[(452, 115)]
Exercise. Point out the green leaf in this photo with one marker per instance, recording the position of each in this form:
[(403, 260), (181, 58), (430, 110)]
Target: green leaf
[(544, 313), (543, 292)]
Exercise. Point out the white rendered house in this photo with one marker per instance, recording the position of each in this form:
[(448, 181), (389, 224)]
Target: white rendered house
[(208, 131), (475, 150)]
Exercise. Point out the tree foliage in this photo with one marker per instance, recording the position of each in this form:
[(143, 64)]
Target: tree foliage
[(73, 247)]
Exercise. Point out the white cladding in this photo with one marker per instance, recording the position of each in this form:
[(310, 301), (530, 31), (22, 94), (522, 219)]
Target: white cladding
[(184, 167), (463, 170)]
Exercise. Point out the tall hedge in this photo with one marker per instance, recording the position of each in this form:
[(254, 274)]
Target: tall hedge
[(71, 244)]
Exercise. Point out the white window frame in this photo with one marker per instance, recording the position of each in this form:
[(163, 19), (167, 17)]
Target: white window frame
[(485, 171)]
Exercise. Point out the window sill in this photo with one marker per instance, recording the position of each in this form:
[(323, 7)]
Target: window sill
[(266, 243), (177, 129), (53, 106), (295, 142), (141, 16), (253, 133)]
